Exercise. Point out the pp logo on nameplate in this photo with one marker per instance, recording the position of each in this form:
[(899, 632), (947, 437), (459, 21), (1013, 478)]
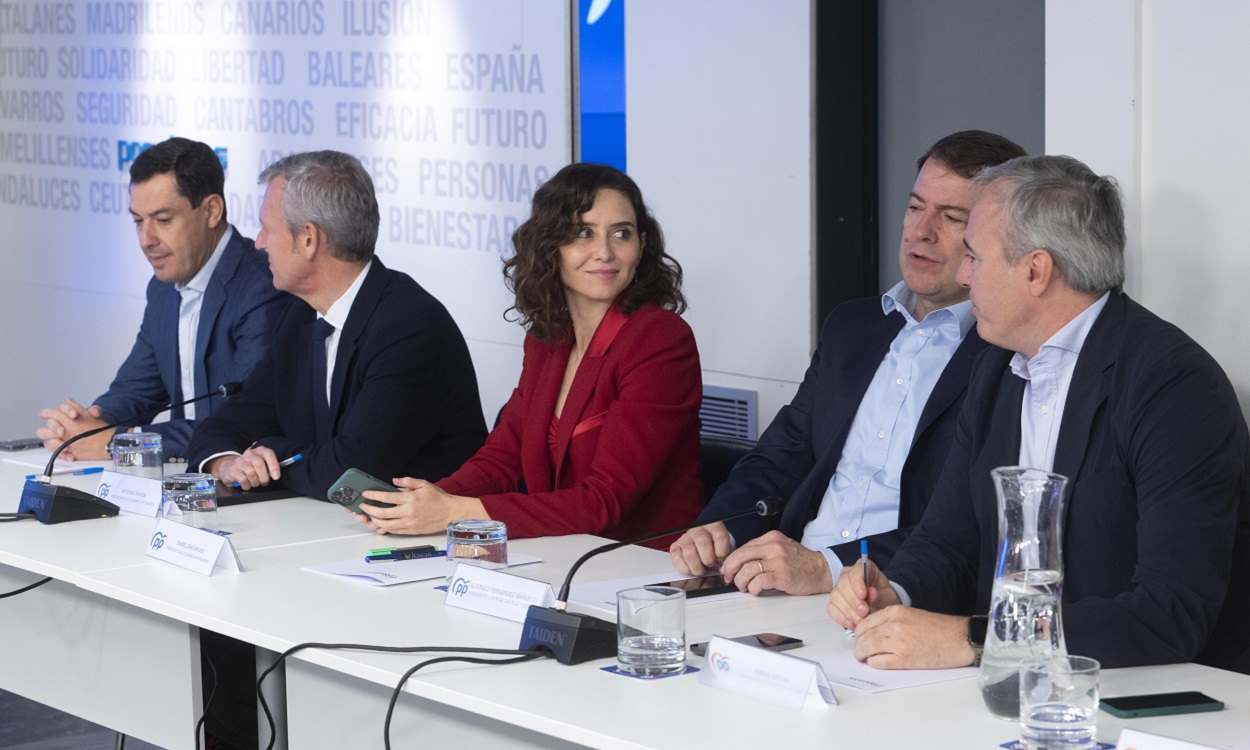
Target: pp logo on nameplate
[(769, 676), (492, 592), (132, 494), (200, 550)]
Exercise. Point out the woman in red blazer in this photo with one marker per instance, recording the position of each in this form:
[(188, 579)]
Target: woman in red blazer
[(601, 436)]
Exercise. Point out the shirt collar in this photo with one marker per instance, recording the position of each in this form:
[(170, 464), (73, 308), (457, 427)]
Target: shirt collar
[(199, 282), (902, 299), (1070, 338), (342, 307)]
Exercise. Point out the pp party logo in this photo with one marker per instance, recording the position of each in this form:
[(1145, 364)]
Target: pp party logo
[(460, 587), (719, 661), (158, 540)]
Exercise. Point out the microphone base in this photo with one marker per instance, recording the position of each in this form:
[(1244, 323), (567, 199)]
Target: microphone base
[(571, 638), (53, 504)]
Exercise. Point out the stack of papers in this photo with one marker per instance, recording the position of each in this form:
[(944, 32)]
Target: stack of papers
[(395, 572)]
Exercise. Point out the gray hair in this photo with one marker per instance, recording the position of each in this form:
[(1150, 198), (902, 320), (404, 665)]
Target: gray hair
[(1057, 204), (332, 191)]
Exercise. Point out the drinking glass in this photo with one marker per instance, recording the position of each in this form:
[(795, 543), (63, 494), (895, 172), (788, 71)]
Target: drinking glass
[(190, 499), (479, 542), (651, 631), (137, 453), (1059, 703)]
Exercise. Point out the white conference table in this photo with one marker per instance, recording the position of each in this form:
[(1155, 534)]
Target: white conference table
[(337, 699)]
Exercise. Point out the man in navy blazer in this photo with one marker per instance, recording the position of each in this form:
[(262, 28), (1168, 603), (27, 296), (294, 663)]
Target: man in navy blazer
[(1090, 385), (210, 306), (370, 372), (857, 452)]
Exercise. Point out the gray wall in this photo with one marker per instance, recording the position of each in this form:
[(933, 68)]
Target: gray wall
[(947, 65)]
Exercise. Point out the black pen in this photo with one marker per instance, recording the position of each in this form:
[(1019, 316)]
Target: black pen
[(863, 557)]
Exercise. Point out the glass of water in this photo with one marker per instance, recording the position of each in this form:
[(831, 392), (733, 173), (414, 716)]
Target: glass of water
[(651, 631), (190, 499), (479, 542), (137, 453), (1059, 703)]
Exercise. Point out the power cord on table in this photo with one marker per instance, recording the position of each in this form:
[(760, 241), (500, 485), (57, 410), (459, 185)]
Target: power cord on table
[(516, 654), (208, 704)]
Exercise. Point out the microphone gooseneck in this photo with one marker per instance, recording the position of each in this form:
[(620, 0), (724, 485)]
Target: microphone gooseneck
[(765, 507)]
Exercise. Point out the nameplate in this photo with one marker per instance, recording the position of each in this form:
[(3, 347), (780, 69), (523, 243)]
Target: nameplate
[(1132, 739), (492, 592), (766, 675), (132, 494), (200, 550)]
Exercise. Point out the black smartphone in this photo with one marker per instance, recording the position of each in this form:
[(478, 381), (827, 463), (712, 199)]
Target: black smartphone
[(20, 444), (1160, 704), (348, 490), (701, 586), (770, 641)]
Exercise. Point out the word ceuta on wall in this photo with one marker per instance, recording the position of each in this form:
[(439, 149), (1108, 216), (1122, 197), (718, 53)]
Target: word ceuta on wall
[(458, 110)]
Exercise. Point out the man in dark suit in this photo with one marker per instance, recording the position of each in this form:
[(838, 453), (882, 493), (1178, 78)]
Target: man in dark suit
[(210, 306), (370, 373), (859, 449), (1090, 385)]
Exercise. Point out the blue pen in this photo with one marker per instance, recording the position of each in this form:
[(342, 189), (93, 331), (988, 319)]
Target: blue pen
[(283, 463), (863, 558), (77, 473)]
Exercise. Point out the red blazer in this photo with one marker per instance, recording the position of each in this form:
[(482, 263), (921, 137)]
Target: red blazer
[(627, 443)]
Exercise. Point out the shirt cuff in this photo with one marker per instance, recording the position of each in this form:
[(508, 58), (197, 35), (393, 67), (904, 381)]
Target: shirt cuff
[(835, 565), (209, 460), (902, 594)]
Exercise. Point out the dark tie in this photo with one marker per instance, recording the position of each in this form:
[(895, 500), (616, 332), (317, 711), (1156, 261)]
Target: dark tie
[(321, 407)]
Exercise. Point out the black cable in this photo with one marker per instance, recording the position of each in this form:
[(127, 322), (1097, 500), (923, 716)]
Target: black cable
[(208, 704), (24, 589), (15, 516), (399, 688), (264, 705)]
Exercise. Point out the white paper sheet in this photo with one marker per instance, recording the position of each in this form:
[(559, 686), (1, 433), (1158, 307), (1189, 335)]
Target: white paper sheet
[(401, 571), (38, 458), (842, 668)]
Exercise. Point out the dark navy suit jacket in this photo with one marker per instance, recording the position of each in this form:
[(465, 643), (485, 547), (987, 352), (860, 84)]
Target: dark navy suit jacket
[(799, 452), (404, 393), (237, 315), (1156, 540)]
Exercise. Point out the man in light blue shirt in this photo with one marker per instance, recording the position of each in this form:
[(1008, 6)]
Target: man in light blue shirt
[(858, 450)]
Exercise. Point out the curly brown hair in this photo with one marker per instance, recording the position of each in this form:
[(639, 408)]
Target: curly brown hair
[(533, 271)]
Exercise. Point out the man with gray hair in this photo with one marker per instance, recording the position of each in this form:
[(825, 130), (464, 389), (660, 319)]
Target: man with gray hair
[(1090, 385), (371, 373)]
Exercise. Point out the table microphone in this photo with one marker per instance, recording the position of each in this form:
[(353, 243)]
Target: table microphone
[(574, 638), (50, 503)]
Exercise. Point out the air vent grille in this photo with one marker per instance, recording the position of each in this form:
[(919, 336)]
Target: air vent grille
[(729, 413)]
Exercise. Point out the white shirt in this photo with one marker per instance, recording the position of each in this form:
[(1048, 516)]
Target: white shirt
[(1047, 376), (192, 294), (862, 497), (337, 317)]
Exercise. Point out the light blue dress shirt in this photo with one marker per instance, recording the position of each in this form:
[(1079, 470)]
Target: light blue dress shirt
[(191, 295), (863, 495), (1047, 376)]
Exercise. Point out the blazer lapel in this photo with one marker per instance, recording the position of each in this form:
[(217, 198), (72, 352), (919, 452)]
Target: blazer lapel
[(951, 383), (214, 299), (1088, 389), (584, 381), (536, 458), (357, 321)]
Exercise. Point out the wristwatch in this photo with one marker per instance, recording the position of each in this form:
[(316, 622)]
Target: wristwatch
[(977, 625)]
